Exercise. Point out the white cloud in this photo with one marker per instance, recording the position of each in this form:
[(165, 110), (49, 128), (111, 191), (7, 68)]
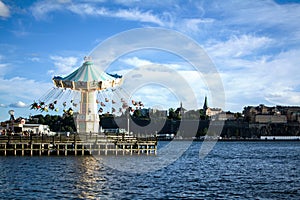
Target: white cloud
[(23, 88), (173, 87), (139, 62), (136, 15), (34, 59), (273, 81), (23, 92), (193, 18), (242, 38), (266, 13), (4, 10), (164, 84), (3, 68), (238, 46), (2, 105), (194, 25), (18, 104), (63, 65), (156, 96), (41, 9), (64, 1), (136, 62)]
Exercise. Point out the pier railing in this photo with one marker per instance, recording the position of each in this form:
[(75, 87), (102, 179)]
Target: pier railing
[(72, 138), (76, 145)]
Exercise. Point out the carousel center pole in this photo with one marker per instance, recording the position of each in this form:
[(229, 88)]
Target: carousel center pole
[(88, 118)]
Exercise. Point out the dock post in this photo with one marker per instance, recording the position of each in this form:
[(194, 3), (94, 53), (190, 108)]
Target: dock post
[(22, 149), (75, 148), (147, 149), (66, 149), (15, 150), (31, 149), (40, 149)]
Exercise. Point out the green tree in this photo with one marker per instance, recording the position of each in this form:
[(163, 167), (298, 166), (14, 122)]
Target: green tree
[(172, 114), (137, 113), (237, 115), (202, 114)]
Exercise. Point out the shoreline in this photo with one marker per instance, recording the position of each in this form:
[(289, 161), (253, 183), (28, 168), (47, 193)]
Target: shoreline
[(233, 140)]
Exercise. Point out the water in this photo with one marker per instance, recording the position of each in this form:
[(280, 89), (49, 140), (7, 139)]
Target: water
[(233, 170)]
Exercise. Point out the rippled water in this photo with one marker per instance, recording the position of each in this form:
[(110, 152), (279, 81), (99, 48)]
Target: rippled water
[(252, 170)]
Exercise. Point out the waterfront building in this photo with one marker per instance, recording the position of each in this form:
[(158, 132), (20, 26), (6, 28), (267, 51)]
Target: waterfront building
[(180, 111), (158, 113), (211, 112), (270, 119), (226, 116), (274, 114)]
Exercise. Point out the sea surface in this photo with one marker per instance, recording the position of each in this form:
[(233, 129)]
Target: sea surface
[(232, 170)]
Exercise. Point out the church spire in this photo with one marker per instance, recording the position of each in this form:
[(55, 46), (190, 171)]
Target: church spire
[(205, 106)]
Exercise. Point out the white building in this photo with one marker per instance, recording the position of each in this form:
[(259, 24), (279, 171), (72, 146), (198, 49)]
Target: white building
[(36, 128)]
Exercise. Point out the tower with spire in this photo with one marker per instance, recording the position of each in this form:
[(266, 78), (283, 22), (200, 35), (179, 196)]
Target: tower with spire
[(205, 105)]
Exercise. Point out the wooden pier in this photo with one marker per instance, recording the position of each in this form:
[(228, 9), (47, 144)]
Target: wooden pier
[(76, 145)]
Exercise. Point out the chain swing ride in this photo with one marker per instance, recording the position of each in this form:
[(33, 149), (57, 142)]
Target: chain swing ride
[(85, 94)]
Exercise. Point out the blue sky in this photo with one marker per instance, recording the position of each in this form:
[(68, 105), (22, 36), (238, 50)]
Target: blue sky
[(255, 46)]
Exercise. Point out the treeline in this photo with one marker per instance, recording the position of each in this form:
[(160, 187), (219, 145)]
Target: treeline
[(65, 123), (56, 123)]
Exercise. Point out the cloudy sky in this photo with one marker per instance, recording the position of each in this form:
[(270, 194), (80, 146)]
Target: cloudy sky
[(254, 45)]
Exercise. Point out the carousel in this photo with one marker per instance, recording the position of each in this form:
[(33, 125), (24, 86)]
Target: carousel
[(87, 93)]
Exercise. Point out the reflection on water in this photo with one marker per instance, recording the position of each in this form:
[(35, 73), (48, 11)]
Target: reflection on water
[(91, 178), (232, 170)]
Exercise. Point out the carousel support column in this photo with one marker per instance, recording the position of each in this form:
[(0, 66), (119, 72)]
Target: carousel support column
[(88, 118)]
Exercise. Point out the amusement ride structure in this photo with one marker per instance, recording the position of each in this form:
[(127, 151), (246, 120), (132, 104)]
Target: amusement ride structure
[(87, 92)]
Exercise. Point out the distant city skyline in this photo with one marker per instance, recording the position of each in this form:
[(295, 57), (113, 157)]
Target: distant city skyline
[(255, 46)]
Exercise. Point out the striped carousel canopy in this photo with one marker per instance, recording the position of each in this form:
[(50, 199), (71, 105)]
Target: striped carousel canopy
[(88, 77), (87, 73)]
